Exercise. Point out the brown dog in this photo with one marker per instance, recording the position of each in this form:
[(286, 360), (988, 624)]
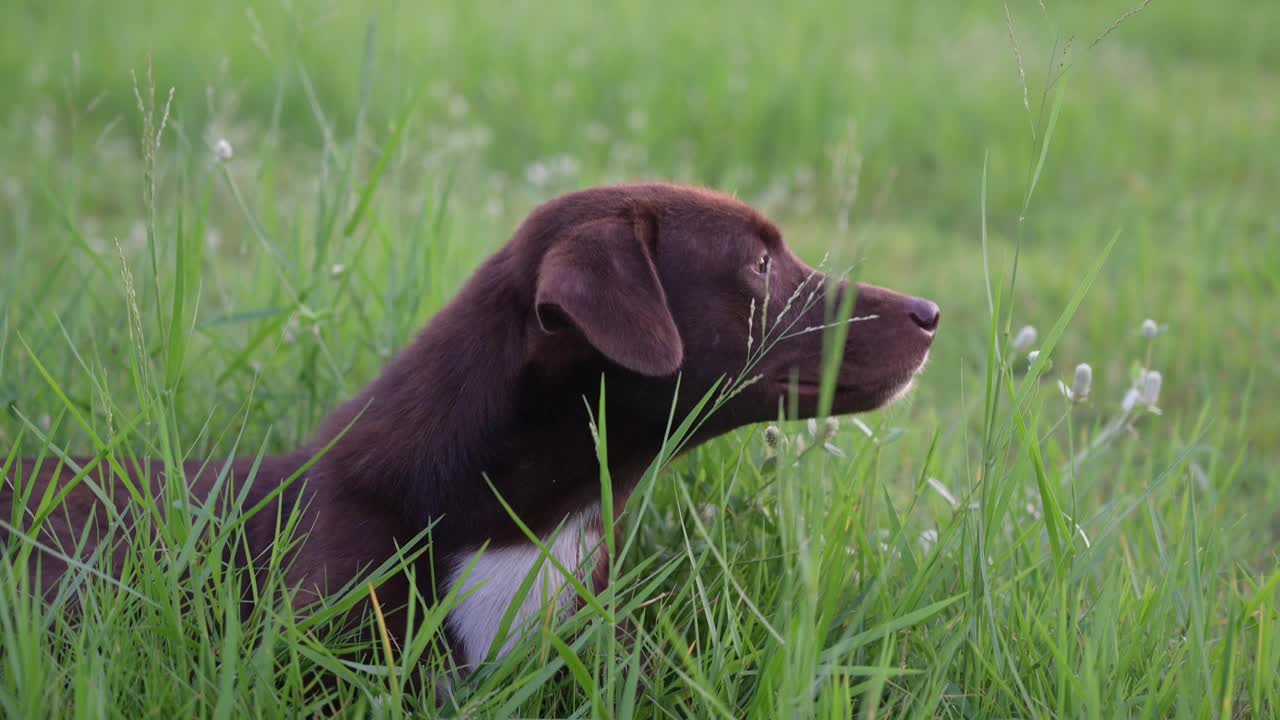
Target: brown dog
[(640, 284)]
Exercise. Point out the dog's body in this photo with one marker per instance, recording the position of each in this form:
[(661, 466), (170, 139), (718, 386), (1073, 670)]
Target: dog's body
[(640, 284)]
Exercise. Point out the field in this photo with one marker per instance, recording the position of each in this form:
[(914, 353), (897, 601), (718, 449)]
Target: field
[(985, 548)]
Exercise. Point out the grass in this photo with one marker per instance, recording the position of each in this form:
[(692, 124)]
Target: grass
[(948, 558)]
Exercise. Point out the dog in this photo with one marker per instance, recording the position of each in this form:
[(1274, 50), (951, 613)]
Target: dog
[(650, 287)]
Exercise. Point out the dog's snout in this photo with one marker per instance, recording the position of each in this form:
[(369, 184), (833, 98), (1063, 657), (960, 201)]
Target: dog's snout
[(925, 313)]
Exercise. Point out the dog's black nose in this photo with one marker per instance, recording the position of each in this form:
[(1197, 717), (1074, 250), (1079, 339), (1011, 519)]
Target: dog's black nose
[(925, 314)]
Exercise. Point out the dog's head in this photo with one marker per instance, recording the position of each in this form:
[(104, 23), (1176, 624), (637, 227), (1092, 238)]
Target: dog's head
[(654, 281)]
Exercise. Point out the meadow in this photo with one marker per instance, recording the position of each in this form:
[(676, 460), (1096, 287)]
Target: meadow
[(218, 222)]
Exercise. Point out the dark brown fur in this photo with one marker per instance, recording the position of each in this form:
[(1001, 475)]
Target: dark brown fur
[(636, 283)]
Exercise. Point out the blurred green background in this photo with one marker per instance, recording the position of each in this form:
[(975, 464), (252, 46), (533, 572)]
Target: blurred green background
[(862, 127), (872, 132)]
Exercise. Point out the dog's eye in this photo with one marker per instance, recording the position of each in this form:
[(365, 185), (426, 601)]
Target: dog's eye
[(762, 265)]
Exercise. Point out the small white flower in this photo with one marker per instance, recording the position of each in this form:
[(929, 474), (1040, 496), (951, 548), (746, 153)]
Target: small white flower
[(223, 150), (928, 539), (1083, 383), (337, 269), (1025, 338), (832, 426), (1130, 400), (1031, 356), (537, 174), (772, 436), (1151, 383), (1150, 328), (566, 165), (812, 425)]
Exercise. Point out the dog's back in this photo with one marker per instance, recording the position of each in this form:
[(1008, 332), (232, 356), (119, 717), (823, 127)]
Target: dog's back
[(76, 509)]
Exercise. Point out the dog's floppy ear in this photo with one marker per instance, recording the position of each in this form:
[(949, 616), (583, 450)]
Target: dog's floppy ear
[(599, 278)]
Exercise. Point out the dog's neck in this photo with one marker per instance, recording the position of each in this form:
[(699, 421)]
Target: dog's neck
[(471, 411), (462, 408)]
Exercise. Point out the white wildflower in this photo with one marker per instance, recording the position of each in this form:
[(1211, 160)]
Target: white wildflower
[(832, 426), (1150, 328), (223, 150), (1130, 400), (1151, 383), (337, 269), (1025, 338), (537, 174), (928, 539), (772, 436), (1031, 356), (565, 165), (1082, 383)]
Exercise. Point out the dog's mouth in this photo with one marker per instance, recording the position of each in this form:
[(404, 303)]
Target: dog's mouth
[(812, 387)]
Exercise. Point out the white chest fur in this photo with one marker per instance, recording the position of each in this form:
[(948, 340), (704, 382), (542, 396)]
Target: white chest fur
[(493, 585)]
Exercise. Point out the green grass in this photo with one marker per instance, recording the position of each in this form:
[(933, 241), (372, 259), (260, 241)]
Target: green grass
[(382, 150)]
